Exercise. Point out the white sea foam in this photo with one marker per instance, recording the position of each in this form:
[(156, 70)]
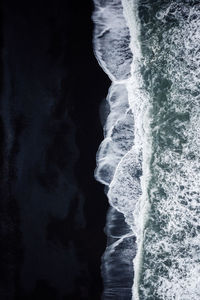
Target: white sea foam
[(123, 153), (171, 265), (139, 101), (149, 158), (119, 134), (111, 39)]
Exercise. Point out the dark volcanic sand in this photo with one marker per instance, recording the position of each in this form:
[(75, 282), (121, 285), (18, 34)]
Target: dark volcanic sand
[(52, 211)]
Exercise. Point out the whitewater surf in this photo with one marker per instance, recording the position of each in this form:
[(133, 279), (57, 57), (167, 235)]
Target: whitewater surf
[(149, 159)]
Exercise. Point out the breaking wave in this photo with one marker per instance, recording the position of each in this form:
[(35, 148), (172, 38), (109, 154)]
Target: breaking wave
[(149, 159), (121, 156)]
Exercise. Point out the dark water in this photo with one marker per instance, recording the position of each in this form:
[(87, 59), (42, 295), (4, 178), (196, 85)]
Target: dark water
[(52, 209)]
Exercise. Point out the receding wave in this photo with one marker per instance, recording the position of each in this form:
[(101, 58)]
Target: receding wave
[(150, 156), (120, 157)]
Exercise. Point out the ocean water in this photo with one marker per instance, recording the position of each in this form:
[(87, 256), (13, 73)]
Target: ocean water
[(150, 157)]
